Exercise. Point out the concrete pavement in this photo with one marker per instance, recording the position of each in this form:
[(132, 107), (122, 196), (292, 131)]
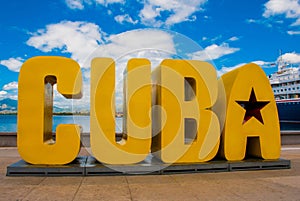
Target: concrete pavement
[(244, 185)]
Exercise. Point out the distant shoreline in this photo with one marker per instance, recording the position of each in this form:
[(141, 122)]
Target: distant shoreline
[(58, 114), (118, 115)]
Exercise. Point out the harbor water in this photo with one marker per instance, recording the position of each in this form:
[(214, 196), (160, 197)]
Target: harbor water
[(8, 123)]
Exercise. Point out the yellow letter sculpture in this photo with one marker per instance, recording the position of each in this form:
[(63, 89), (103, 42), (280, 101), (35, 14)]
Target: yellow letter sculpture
[(137, 108), (35, 103), (251, 115), (186, 90)]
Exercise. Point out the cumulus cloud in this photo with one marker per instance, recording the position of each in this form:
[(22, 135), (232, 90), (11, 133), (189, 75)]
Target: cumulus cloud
[(80, 4), (291, 58), (297, 23), (234, 38), (70, 37), (125, 18), (176, 11), (10, 91), (77, 38), (224, 69), (265, 64), (13, 64), (3, 93), (10, 86), (213, 52), (75, 4), (106, 2), (287, 8), (154, 45), (293, 32), (156, 13)]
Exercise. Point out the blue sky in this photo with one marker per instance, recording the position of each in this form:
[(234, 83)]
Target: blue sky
[(227, 33)]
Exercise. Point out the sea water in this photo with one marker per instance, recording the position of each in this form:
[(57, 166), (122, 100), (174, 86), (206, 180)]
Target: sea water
[(8, 123)]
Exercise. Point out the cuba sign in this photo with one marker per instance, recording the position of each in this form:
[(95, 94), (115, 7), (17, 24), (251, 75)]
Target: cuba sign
[(180, 112)]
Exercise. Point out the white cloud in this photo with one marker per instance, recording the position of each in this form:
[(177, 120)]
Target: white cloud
[(265, 22), (291, 58), (3, 93), (260, 63), (264, 64), (125, 43), (125, 18), (213, 52), (10, 86), (106, 2), (75, 4), (288, 8), (297, 23), (77, 38), (234, 38), (13, 64), (154, 45), (251, 21), (154, 12), (224, 69), (177, 11), (3, 106), (293, 32), (80, 4)]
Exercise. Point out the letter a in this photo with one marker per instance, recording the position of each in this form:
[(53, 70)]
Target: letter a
[(251, 121)]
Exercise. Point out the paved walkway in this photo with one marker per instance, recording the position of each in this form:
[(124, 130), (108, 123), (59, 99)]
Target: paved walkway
[(246, 185)]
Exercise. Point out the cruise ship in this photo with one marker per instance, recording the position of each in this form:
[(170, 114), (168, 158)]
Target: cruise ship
[(286, 87)]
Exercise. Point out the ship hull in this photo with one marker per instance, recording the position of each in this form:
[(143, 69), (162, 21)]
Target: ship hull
[(289, 111), (289, 115)]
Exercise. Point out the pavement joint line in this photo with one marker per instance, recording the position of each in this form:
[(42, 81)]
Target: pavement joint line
[(32, 189), (290, 148), (77, 190), (5, 148), (129, 189)]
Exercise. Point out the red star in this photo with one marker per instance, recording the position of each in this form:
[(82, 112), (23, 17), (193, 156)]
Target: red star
[(253, 108)]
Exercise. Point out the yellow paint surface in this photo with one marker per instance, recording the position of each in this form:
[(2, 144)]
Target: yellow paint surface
[(263, 138), (35, 101), (185, 92), (137, 107)]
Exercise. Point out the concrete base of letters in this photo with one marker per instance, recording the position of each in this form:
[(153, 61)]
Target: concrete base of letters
[(88, 166)]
